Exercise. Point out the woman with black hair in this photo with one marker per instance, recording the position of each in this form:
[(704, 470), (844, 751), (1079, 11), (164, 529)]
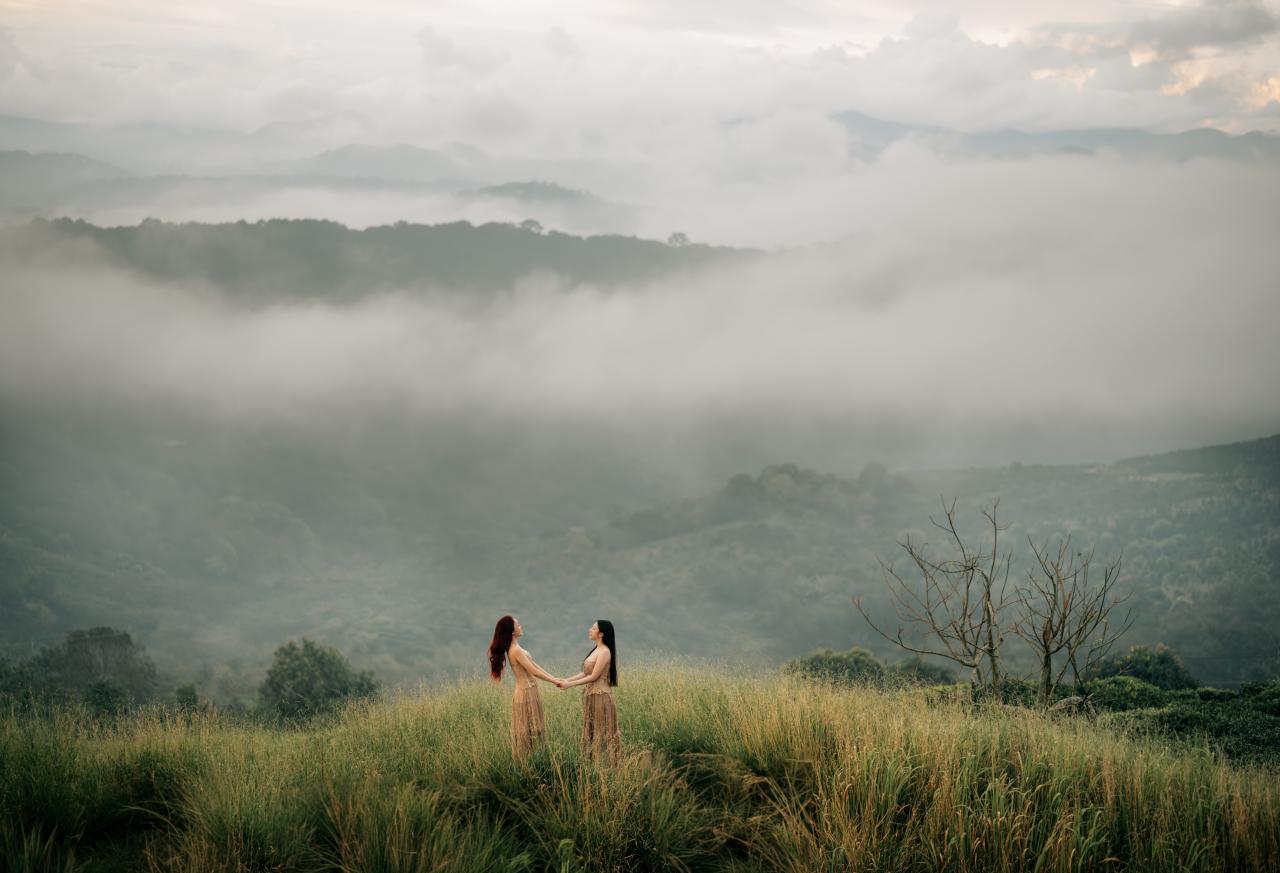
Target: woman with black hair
[(600, 735), (527, 726)]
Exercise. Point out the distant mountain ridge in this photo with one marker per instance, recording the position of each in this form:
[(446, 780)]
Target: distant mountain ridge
[(870, 136)]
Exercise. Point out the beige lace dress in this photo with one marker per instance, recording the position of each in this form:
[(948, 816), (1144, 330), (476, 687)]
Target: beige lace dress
[(600, 735), (527, 726)]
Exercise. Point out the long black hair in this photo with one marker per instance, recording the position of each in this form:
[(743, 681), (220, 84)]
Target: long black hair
[(498, 646), (606, 634)]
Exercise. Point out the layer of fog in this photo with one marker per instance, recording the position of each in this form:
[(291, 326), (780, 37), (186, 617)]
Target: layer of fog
[(214, 202), (1043, 310)]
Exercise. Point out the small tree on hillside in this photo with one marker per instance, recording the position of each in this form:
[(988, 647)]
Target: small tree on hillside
[(957, 602), (308, 679), (1065, 617)]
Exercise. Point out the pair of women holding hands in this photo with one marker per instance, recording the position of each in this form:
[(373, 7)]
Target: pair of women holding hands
[(600, 735)]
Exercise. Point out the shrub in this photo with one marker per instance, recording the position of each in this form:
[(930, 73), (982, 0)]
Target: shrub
[(1160, 667), (104, 697), (1125, 692), (841, 668), (1263, 697), (308, 679), (1236, 729)]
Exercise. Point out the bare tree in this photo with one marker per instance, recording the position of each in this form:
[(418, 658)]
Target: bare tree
[(957, 602), (1065, 617)]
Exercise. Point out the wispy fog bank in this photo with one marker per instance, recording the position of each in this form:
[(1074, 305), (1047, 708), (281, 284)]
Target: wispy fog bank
[(1048, 310)]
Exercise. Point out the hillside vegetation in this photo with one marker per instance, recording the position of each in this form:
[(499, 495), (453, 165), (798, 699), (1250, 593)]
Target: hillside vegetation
[(268, 261), (213, 548), (720, 773)]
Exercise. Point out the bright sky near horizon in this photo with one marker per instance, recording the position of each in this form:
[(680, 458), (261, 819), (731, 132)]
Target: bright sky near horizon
[(569, 76)]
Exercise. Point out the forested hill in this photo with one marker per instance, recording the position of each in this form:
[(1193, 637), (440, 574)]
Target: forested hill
[(270, 260), (213, 549), (775, 557)]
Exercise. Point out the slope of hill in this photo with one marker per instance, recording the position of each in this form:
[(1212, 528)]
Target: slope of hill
[(781, 553), (214, 547)]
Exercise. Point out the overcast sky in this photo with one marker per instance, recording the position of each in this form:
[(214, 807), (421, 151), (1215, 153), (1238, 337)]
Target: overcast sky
[(615, 77), (1054, 308)]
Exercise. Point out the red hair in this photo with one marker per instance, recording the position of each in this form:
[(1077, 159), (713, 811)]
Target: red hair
[(503, 633)]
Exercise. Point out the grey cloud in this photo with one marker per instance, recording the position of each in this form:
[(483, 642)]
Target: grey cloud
[(441, 53), (1212, 24)]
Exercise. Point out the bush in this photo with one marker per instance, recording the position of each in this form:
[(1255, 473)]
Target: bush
[(1122, 693), (311, 679), (922, 672), (1236, 729), (104, 697), (841, 668), (1262, 697), (1160, 667)]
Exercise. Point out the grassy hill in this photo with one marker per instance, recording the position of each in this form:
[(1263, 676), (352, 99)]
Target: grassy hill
[(720, 773)]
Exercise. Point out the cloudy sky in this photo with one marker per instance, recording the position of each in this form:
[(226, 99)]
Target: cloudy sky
[(567, 77), (1053, 308)]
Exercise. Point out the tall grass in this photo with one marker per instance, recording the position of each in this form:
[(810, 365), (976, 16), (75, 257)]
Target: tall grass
[(719, 773)]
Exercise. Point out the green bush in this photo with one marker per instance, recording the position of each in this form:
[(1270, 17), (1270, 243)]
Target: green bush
[(1160, 667), (1122, 693), (1262, 697), (1236, 729), (104, 697), (309, 679), (841, 668)]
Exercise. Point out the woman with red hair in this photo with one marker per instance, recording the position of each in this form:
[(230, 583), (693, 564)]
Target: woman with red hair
[(527, 726)]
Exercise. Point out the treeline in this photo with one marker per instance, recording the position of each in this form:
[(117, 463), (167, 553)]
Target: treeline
[(279, 259), (105, 672)]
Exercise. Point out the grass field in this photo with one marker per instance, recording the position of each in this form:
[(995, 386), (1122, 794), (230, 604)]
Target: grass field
[(720, 773)]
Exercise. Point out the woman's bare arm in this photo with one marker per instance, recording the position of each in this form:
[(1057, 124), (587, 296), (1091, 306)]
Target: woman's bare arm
[(597, 670), (526, 661)]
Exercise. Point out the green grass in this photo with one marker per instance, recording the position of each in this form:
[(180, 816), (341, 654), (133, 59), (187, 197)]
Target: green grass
[(720, 773)]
